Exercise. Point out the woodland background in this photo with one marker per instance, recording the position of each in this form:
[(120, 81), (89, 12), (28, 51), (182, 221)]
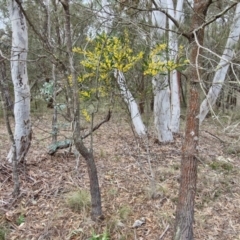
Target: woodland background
[(137, 101)]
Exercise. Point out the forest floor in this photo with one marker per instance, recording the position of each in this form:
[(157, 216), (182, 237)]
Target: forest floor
[(50, 184)]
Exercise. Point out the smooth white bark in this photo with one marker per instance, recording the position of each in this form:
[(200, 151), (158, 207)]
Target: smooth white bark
[(131, 103), (161, 90), (22, 134), (159, 20), (162, 114), (173, 45), (167, 112), (222, 67), (106, 18)]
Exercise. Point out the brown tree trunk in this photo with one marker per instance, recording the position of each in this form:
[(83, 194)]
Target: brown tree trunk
[(185, 207), (188, 181), (87, 154), (93, 177)]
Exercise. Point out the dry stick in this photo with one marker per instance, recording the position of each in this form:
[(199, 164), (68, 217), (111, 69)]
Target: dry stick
[(166, 229), (16, 189), (215, 137), (152, 178), (135, 234)]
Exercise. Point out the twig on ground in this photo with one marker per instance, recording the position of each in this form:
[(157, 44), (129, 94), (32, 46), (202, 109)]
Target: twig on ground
[(166, 229), (199, 159), (215, 136)]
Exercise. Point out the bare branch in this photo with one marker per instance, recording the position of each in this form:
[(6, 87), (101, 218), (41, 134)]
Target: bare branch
[(98, 125), (167, 14), (214, 18)]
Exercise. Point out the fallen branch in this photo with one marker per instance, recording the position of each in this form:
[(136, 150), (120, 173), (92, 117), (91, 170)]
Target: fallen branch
[(67, 143), (59, 145)]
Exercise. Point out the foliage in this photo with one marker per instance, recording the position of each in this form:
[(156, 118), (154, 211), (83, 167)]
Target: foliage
[(108, 53), (103, 55), (20, 219), (158, 64), (2, 233), (47, 90), (104, 236), (79, 200), (221, 166)]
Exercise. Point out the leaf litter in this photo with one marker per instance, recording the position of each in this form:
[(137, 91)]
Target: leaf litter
[(130, 190)]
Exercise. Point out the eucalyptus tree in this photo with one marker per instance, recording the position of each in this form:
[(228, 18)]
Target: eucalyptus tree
[(166, 85), (161, 89), (177, 14), (107, 23), (189, 162), (23, 131), (223, 66)]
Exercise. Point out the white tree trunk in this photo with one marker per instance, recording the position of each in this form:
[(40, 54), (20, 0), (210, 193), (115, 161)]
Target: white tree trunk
[(173, 45), (222, 68), (22, 134), (137, 122), (161, 90), (159, 20), (162, 114), (167, 113), (106, 16), (175, 102), (131, 103)]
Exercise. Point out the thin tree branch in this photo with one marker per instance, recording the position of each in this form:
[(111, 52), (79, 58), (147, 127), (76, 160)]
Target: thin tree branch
[(167, 14), (98, 125), (222, 141), (214, 18), (176, 23), (67, 143)]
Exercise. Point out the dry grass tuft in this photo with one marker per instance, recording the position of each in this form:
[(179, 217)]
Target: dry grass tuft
[(78, 201)]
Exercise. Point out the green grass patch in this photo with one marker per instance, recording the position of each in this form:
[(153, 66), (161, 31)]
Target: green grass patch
[(221, 166), (3, 233)]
